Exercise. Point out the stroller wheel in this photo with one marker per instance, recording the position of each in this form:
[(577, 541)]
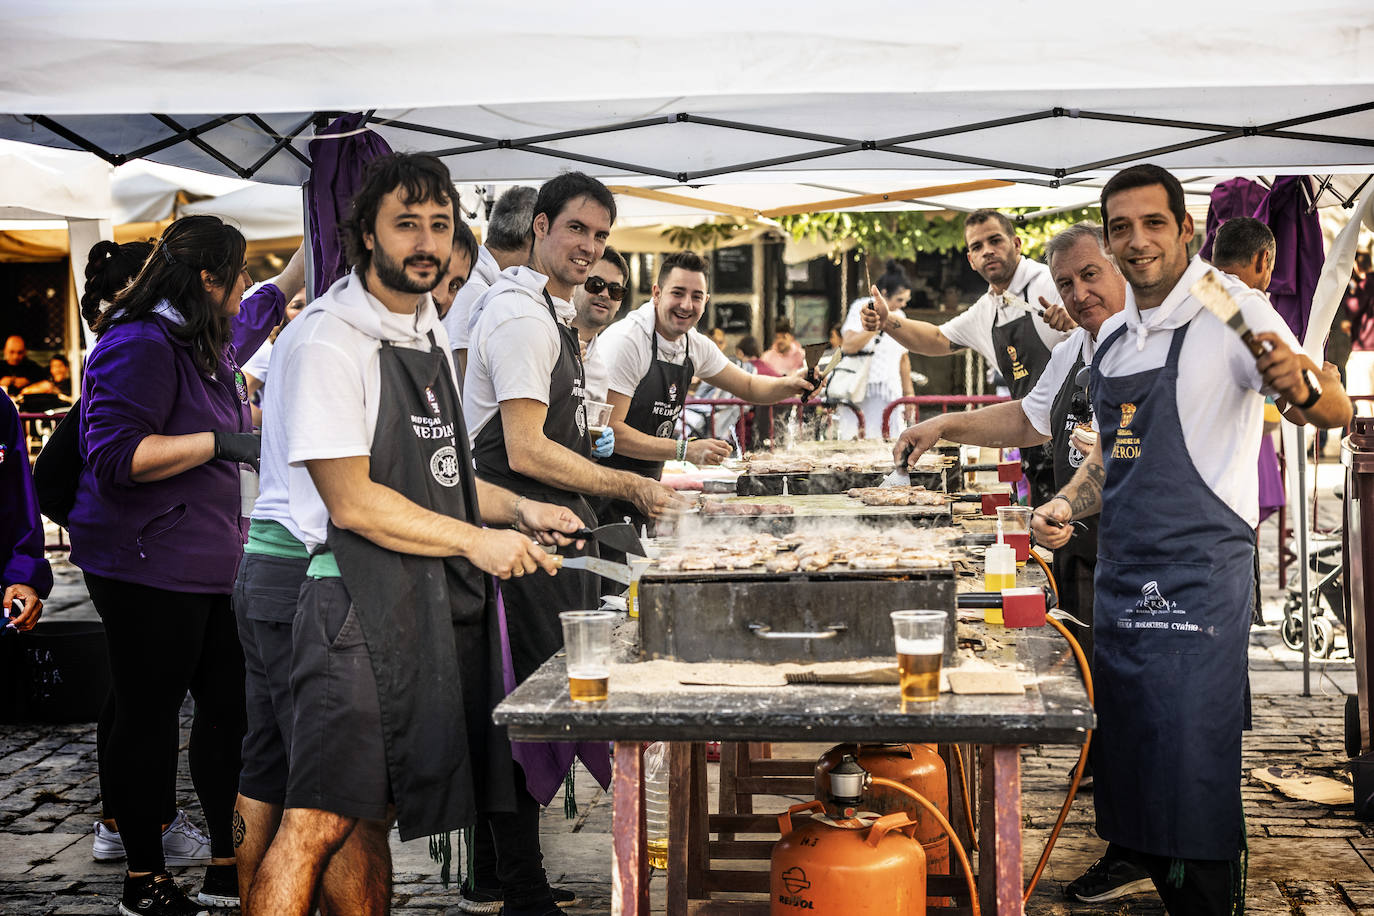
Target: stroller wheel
[(1323, 637), (1290, 630)]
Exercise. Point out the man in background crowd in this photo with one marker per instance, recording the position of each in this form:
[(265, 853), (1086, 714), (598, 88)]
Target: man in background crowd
[(17, 372), (785, 356)]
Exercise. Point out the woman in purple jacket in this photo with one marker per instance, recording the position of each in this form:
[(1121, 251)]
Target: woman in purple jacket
[(157, 529)]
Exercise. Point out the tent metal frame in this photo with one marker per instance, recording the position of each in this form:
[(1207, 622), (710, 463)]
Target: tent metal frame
[(832, 146)]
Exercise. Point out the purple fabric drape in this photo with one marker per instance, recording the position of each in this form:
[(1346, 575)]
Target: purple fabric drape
[(336, 172), (546, 762), (1285, 209)]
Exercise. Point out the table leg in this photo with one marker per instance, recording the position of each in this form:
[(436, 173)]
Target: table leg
[(999, 844), (679, 824), (630, 867)]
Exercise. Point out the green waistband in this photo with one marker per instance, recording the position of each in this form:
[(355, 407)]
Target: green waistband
[(274, 540), (323, 566)]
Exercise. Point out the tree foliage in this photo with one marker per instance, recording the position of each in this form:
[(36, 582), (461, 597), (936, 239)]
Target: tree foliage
[(903, 233)]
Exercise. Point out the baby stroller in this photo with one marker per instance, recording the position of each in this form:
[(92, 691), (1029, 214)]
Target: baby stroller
[(1327, 598)]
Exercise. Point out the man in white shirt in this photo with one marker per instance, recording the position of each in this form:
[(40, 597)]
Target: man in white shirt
[(597, 301), (524, 395), (395, 649), (653, 355), (1013, 326), (1178, 399), (507, 244)]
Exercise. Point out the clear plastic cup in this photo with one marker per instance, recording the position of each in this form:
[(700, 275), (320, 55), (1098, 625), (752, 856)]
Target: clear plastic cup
[(1014, 528), (920, 639), (587, 645)]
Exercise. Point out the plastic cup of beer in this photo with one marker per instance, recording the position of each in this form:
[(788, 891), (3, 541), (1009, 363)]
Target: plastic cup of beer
[(1014, 528), (598, 417), (920, 638), (587, 645)]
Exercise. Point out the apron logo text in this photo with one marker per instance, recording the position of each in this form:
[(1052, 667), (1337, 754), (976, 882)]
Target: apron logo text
[(1018, 371), (1126, 446), (431, 428)]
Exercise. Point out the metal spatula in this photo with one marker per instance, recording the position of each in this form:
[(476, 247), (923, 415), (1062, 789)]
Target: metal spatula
[(619, 536)]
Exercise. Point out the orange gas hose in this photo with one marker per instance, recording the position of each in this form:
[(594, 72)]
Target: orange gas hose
[(944, 825), (1083, 754), (968, 805)]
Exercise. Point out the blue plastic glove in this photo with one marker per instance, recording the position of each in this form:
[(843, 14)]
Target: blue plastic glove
[(605, 445)]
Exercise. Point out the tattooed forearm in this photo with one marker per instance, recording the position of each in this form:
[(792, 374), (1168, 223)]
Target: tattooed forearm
[(1084, 491)]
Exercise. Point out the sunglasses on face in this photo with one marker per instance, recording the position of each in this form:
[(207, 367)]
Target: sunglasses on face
[(595, 285)]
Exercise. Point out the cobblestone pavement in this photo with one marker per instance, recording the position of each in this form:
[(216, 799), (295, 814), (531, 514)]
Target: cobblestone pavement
[(1304, 858)]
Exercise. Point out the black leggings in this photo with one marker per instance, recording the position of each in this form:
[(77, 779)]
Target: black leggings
[(161, 644)]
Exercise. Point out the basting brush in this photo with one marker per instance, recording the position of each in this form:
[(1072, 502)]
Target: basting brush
[(1217, 300)]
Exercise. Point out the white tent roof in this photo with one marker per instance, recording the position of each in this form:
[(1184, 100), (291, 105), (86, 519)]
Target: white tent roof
[(903, 96), (50, 184)]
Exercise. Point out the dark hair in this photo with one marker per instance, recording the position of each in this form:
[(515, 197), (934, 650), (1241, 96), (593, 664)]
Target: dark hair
[(1240, 239), (1143, 176), (1068, 238), (420, 178), (893, 279), (61, 359), (558, 192), (978, 217), (509, 228), (109, 268), (188, 246), (783, 326), (464, 240), (749, 346), (689, 261), (617, 259)]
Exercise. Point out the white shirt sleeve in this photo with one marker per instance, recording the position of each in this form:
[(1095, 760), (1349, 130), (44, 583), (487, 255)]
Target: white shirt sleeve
[(521, 352), (326, 414), (707, 360), (626, 357), (1039, 401), (258, 362), (853, 321), (973, 328), (458, 320), (1260, 316)]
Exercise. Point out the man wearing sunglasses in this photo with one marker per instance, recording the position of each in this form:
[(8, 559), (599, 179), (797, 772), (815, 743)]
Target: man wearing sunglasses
[(1058, 410)]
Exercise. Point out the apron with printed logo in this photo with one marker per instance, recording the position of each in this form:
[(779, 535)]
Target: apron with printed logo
[(1172, 611)]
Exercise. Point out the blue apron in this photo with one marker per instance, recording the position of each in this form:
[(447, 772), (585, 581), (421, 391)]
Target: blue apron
[(1171, 619)]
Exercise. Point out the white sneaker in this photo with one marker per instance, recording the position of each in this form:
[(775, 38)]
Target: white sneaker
[(182, 843)]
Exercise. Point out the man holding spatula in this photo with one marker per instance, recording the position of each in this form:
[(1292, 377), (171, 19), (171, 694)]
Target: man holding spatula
[(1177, 387)]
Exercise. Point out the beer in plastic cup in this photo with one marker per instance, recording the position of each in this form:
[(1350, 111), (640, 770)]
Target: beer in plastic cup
[(920, 639), (587, 645)]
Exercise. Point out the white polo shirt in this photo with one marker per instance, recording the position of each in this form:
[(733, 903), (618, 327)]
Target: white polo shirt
[(973, 329), (1220, 392)]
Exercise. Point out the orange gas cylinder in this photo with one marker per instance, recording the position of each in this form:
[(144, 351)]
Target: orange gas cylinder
[(917, 766), (857, 866)]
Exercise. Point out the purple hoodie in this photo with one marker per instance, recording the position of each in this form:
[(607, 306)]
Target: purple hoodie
[(183, 534), (21, 530)]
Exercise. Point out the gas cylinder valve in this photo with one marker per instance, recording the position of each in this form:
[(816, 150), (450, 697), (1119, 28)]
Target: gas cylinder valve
[(847, 784)]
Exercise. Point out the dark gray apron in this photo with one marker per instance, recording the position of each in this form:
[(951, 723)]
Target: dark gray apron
[(532, 603), (1174, 582), (1021, 358), (654, 410), (1075, 562), (429, 623)]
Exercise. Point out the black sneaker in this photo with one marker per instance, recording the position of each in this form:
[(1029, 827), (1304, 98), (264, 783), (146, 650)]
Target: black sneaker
[(156, 895), (489, 901), (1108, 879), (221, 887)]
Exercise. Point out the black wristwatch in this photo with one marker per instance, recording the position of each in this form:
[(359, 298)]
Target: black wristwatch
[(1314, 389)]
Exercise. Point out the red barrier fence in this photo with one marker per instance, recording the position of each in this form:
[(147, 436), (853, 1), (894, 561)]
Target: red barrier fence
[(765, 410)]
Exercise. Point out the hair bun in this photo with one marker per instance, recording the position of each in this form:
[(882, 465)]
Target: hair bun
[(893, 267)]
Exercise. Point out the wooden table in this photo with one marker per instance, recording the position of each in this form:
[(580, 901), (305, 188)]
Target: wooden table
[(1055, 711)]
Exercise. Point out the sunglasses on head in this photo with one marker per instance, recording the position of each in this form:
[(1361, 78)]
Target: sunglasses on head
[(595, 285)]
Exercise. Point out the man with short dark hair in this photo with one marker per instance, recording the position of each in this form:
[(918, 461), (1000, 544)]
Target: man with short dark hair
[(1013, 326), (507, 244), (525, 393), (395, 647), (1178, 401), (784, 356), (597, 302), (1245, 249), (653, 355)]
